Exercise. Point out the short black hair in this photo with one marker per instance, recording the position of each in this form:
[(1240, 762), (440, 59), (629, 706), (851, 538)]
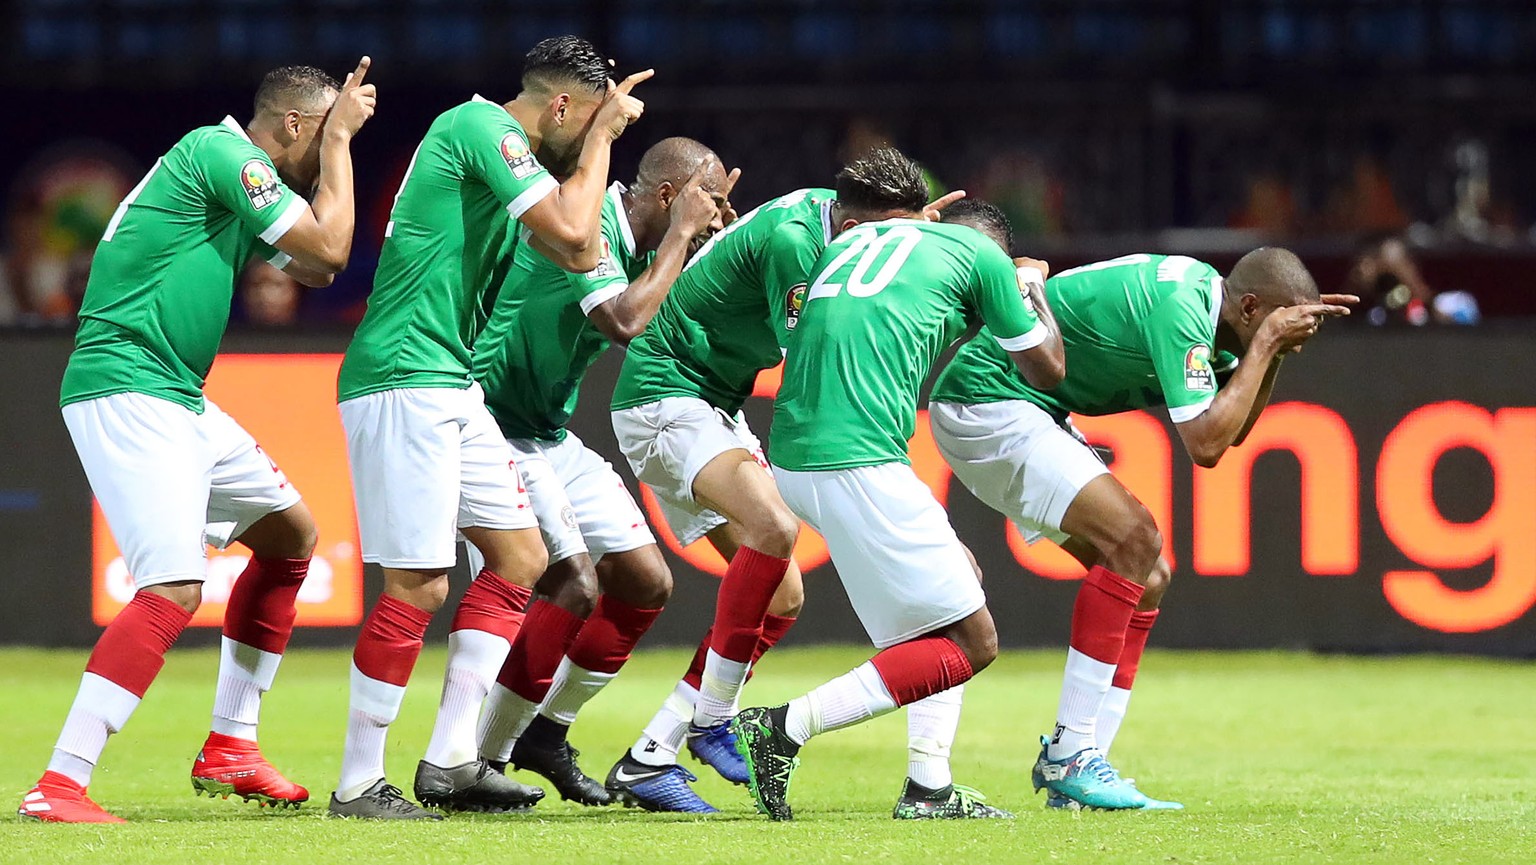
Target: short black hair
[(985, 217), (882, 180), (293, 87), (1277, 276), (563, 60)]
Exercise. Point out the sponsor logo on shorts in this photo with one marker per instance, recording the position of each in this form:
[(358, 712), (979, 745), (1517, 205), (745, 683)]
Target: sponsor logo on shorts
[(260, 184), (794, 301), (1197, 369), (515, 151)]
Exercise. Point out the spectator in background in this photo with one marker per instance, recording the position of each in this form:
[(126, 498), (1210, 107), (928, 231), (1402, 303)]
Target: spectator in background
[(1393, 290), (269, 297), (1023, 187), (57, 212), (1270, 206), (1366, 202)]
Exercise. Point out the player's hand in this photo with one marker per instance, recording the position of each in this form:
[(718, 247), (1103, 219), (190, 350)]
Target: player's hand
[(1042, 266), (618, 108), (1289, 327), (354, 103), (728, 210), (693, 210), (1340, 299), (935, 209)]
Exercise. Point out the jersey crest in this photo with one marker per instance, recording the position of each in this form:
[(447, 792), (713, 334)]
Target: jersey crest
[(1197, 369), (515, 151), (607, 267), (260, 184)]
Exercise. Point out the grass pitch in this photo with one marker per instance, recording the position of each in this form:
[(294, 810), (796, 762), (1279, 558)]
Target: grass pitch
[(1278, 758)]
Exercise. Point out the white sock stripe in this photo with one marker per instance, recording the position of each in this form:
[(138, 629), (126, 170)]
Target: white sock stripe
[(239, 660), (107, 700), (375, 698)]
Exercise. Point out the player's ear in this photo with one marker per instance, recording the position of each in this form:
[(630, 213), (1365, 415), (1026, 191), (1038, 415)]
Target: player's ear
[(291, 121), (1249, 304), (560, 108), (666, 193)]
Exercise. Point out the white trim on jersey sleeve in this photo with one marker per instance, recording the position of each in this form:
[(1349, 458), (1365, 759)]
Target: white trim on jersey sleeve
[(531, 196), (1037, 335), (285, 220), (1186, 413), (280, 259), (595, 299)]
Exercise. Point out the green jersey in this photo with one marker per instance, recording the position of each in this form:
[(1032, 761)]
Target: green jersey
[(163, 276), (538, 343), (729, 314), (1139, 331), (885, 299), (450, 238)]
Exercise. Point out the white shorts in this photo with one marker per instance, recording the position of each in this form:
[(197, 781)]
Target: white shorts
[(581, 502), (667, 444), (1017, 460), (905, 571), (168, 479), (425, 462)]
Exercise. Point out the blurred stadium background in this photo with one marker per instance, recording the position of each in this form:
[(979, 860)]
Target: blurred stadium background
[(1388, 503)]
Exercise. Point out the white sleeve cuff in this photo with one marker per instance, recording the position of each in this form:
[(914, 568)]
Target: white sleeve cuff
[(280, 260), (531, 196), (1186, 413), (595, 299), (1036, 336), (285, 221)]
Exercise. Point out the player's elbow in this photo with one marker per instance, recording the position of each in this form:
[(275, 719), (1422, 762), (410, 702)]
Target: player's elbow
[(573, 250), (313, 280), (1205, 455)]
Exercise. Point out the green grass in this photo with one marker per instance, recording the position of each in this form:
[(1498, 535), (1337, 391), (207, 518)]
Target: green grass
[(1278, 758)]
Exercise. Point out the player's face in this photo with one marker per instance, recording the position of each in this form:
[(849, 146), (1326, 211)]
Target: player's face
[(568, 121), (303, 163)]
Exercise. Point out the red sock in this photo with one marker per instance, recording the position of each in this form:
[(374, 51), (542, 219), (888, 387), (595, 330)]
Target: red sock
[(492, 605), (1102, 613), (610, 634), (391, 640), (547, 634), (774, 629), (1135, 643), (132, 649), (261, 608), (745, 592), (921, 668)]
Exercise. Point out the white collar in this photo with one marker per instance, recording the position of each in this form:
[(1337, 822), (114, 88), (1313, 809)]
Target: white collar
[(826, 220), (1218, 291), (616, 191), (478, 98), (234, 126)]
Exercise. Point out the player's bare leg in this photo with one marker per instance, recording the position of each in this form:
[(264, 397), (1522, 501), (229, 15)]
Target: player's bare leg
[(735, 486), (258, 621), (1106, 517), (635, 585), (770, 739)]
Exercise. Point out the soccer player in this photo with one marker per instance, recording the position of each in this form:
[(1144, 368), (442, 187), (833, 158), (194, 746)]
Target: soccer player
[(885, 298), (1139, 330), (547, 327), (167, 466), (426, 456)]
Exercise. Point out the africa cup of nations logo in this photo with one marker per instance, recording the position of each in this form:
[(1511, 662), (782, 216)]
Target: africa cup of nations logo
[(1197, 369), (260, 184), (794, 301), (515, 151)]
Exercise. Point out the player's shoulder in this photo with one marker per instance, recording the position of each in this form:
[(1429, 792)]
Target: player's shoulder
[(226, 138), (479, 115)]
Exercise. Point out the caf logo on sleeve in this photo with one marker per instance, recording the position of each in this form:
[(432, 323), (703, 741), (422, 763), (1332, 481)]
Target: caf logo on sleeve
[(1197, 369), (515, 151), (794, 301), (260, 184)]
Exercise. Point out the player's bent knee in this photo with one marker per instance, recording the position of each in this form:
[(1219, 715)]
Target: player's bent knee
[(571, 585), (187, 595), (774, 533)]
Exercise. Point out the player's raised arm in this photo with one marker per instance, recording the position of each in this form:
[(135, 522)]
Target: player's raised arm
[(567, 224), (1271, 308), (320, 241), (694, 208)]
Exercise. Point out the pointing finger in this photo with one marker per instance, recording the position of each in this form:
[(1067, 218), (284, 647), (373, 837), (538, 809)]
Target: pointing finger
[(730, 182), (355, 77), (629, 83), (944, 201)]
